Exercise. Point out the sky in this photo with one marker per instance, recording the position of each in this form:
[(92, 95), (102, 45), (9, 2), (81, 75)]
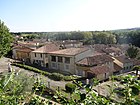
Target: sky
[(69, 15)]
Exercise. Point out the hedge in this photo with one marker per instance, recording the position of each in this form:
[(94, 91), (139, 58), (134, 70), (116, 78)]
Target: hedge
[(70, 87), (54, 76)]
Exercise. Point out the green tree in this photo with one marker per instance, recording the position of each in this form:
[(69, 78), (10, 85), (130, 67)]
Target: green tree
[(5, 39), (132, 51), (104, 37)]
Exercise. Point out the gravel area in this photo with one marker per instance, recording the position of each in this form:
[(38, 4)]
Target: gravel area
[(54, 84)]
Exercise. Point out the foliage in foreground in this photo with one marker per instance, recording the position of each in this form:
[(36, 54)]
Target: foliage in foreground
[(5, 39), (129, 93), (16, 89)]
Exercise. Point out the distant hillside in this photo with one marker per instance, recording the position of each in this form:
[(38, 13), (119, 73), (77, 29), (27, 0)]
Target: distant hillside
[(126, 30)]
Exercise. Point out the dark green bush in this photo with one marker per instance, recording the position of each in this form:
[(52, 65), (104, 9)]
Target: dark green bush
[(135, 90), (70, 87), (56, 76), (68, 78)]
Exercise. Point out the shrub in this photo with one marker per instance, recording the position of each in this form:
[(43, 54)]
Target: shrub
[(56, 76), (68, 78), (70, 87), (135, 90)]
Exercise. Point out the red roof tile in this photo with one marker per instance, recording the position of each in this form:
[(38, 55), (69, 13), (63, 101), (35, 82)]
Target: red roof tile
[(47, 48), (22, 48), (95, 60), (70, 51), (124, 59), (112, 49), (99, 69), (117, 67)]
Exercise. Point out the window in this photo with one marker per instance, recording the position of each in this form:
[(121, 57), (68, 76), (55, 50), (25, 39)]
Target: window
[(67, 67), (41, 55), (124, 68), (58, 66), (53, 65), (67, 59), (80, 73), (127, 67), (60, 59), (35, 54), (53, 58), (105, 75)]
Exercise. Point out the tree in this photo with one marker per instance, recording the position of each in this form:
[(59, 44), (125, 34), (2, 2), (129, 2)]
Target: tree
[(5, 39), (132, 51), (104, 37)]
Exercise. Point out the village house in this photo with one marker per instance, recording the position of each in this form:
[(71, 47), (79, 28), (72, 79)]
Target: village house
[(30, 44), (124, 62), (21, 53), (117, 69), (65, 60), (40, 55), (99, 66)]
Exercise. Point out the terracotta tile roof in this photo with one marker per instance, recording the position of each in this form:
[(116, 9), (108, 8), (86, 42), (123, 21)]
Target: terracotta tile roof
[(100, 47), (99, 69), (22, 48), (70, 51), (47, 48), (117, 67), (95, 60), (136, 62), (27, 50), (124, 59), (112, 49)]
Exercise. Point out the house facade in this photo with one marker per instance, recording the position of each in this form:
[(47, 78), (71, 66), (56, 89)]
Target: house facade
[(65, 60), (124, 62), (99, 66), (40, 55), (21, 53)]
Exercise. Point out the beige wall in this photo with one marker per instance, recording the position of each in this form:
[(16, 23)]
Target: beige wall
[(111, 67), (38, 57), (126, 66), (73, 59), (83, 55), (68, 67), (81, 71), (102, 76), (118, 62)]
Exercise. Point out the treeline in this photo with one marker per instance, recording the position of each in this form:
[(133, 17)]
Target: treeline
[(129, 36), (90, 37)]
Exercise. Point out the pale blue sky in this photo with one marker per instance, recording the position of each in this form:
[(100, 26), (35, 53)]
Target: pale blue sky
[(69, 15)]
